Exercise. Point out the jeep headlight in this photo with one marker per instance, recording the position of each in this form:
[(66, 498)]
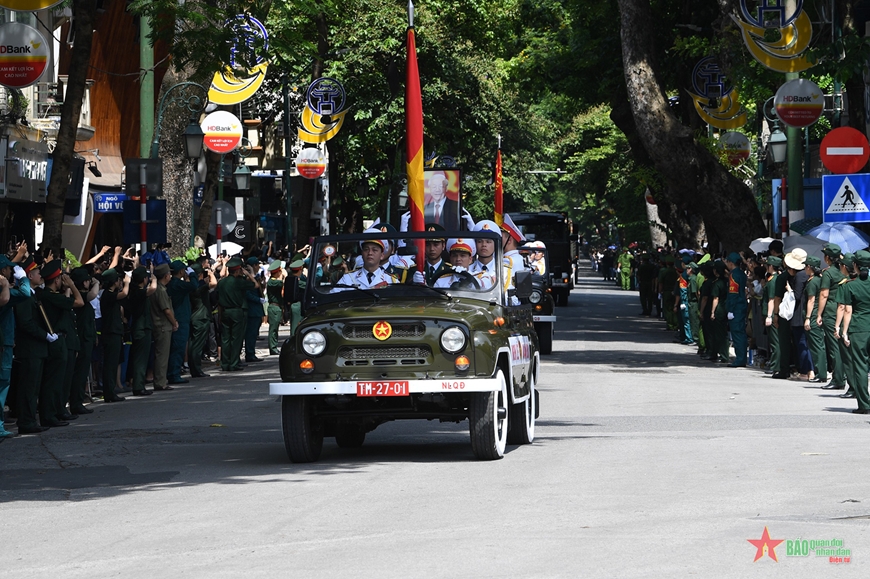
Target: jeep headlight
[(535, 297), (452, 340), (314, 343)]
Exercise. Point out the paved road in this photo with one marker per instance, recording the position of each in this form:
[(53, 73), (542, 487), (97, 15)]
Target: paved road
[(648, 463)]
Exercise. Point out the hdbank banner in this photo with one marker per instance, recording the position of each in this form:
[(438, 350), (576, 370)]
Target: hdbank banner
[(23, 55), (28, 5)]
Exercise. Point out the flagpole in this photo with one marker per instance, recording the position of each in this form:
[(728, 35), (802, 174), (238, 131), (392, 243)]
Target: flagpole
[(499, 187), (414, 136)]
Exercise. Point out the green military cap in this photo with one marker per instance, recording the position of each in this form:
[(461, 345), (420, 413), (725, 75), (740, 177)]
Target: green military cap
[(234, 263), (161, 270), (774, 261), (28, 264), (139, 274), (197, 269), (5, 262), (252, 261), (276, 265), (177, 266), (848, 260), (79, 275), (813, 261), (832, 250), (862, 258), (734, 257), (51, 269), (337, 261), (297, 264), (109, 276)]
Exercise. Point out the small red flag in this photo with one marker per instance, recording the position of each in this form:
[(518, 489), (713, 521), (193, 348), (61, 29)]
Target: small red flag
[(499, 191)]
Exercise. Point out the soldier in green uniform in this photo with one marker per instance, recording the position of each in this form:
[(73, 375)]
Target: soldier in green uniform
[(275, 300), (31, 350), (112, 330), (294, 291), (666, 282), (58, 299), (200, 317), (231, 297), (706, 308), (856, 330), (140, 327), (692, 305), (719, 315), (850, 273), (646, 284), (774, 264), (179, 289), (623, 264), (254, 314), (815, 333), (87, 334), (826, 317)]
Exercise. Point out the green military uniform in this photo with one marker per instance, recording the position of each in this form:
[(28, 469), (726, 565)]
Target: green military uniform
[(832, 277), (432, 273), (231, 298), (667, 281), (694, 312), (845, 352), (816, 335), (719, 324), (706, 297), (141, 330), (87, 334), (111, 336), (31, 351), (57, 376), (275, 300), (783, 328), (161, 327), (294, 292), (857, 295), (254, 317), (200, 318), (624, 262), (772, 333)]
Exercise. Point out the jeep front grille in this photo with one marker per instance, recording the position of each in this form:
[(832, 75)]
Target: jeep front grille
[(364, 331), (385, 356)]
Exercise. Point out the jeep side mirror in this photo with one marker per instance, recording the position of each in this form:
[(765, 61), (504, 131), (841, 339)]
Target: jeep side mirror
[(523, 284)]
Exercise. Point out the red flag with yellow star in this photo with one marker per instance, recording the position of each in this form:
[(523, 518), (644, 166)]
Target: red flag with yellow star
[(499, 191), (414, 133)]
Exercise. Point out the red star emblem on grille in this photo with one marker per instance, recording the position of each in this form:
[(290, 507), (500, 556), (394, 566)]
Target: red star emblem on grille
[(382, 330)]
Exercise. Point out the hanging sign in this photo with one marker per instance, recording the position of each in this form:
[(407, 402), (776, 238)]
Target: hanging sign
[(799, 103), (223, 132), (23, 55), (229, 87), (324, 111), (783, 50), (736, 146), (310, 163)]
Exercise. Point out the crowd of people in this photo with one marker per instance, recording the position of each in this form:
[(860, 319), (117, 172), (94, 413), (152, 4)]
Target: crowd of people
[(802, 318), (123, 321)]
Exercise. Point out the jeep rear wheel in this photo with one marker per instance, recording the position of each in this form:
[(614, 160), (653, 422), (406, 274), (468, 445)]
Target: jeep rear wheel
[(303, 432), (522, 421), (349, 436), (488, 421)]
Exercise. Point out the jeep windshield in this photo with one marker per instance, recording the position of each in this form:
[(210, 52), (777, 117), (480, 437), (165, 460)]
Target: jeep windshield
[(368, 266)]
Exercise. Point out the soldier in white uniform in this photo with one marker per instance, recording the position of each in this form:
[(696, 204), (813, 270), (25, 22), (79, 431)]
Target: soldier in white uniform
[(536, 258), (485, 248), (511, 238), (462, 252), (371, 275)]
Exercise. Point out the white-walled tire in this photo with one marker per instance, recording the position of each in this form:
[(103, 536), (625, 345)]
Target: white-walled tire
[(303, 432), (488, 421), (522, 420)]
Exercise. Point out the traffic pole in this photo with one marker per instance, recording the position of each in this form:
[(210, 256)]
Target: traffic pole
[(143, 210), (784, 209)]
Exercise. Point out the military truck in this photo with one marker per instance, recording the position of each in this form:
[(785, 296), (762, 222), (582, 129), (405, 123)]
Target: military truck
[(363, 357), (556, 231)]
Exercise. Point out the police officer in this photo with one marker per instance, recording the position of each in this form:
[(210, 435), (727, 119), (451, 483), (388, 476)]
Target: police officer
[(231, 298), (140, 327), (275, 300)]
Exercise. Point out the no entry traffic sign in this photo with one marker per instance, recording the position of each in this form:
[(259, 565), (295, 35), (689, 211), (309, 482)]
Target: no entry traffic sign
[(844, 150)]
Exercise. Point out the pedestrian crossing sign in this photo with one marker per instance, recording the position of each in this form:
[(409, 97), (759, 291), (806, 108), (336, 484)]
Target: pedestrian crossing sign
[(843, 198)]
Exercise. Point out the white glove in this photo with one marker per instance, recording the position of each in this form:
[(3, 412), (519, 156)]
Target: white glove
[(459, 269), (683, 307), (419, 278), (51, 337), (18, 272), (406, 220), (768, 322), (730, 316), (262, 300), (469, 220)]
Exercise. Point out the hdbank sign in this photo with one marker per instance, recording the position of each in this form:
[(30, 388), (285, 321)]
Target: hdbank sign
[(23, 55)]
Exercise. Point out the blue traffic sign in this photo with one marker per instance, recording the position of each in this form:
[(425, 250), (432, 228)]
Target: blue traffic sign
[(845, 198), (109, 202)]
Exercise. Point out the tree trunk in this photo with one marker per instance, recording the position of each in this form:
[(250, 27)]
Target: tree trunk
[(689, 170), (83, 16)]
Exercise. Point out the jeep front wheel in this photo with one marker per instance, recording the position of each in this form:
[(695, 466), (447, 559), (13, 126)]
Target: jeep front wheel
[(488, 421), (303, 432)]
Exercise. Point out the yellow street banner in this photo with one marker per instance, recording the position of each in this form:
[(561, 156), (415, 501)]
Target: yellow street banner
[(314, 130), (785, 54)]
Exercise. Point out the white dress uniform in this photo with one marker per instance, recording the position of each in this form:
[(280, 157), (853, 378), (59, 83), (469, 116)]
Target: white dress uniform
[(485, 279), (364, 279)]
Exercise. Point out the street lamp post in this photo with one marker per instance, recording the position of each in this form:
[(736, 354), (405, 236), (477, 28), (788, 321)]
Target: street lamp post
[(241, 179)]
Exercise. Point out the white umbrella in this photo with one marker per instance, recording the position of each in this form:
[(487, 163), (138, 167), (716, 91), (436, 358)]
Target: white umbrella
[(760, 244), (812, 245), (230, 247)]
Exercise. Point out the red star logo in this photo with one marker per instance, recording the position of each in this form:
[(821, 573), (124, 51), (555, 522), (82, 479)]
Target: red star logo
[(765, 543), (382, 330)]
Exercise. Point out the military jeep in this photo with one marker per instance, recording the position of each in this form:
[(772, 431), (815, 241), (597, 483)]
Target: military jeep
[(363, 357), (541, 299)]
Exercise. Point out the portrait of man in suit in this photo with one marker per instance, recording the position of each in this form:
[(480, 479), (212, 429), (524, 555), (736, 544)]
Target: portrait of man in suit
[(439, 207)]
